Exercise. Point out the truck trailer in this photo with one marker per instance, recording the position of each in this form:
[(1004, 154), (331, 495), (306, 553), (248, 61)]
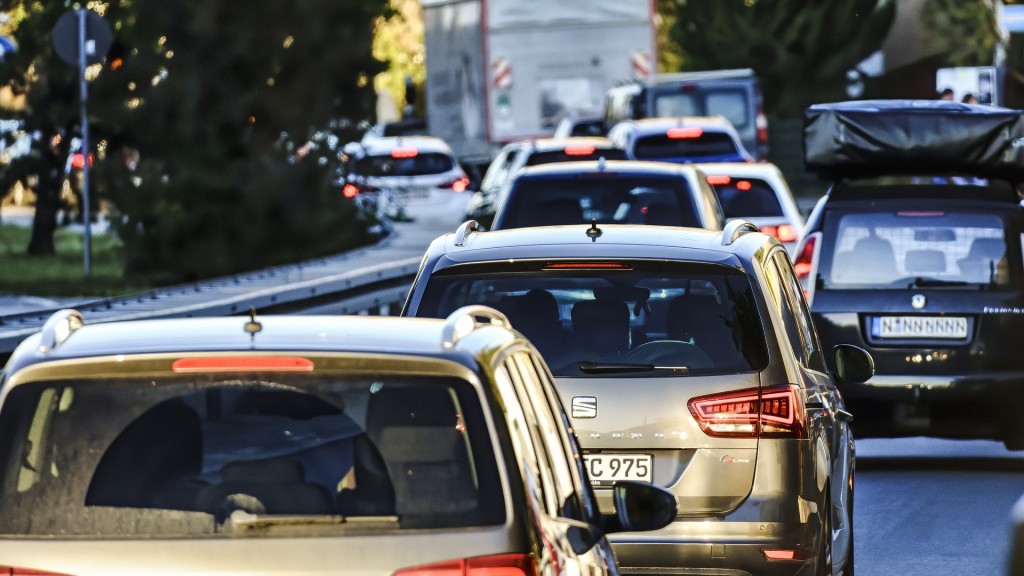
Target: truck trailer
[(505, 70)]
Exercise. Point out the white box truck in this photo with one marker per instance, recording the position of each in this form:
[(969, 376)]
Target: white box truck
[(505, 70)]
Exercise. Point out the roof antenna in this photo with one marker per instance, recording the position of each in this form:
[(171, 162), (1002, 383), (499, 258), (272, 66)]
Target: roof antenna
[(252, 326), (593, 232)]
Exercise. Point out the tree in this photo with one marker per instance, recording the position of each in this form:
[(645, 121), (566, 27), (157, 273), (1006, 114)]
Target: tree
[(967, 29), (196, 111), (399, 42), (800, 50)]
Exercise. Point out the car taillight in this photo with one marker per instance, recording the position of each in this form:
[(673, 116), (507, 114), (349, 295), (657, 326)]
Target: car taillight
[(579, 150), (457, 185), (718, 179), (784, 232), (12, 571), (769, 412), (804, 264), (351, 190), (405, 153), (761, 123), (497, 565), (685, 132)]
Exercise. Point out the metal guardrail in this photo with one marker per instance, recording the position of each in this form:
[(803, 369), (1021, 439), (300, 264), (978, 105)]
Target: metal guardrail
[(376, 289)]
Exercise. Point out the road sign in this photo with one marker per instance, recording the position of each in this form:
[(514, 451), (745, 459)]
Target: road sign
[(98, 37)]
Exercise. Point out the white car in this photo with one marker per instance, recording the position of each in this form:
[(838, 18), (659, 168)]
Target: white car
[(382, 174), (757, 192)]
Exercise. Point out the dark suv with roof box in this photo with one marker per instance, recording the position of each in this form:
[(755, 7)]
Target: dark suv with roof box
[(915, 254)]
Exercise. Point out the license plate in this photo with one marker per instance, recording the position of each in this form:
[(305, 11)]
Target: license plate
[(921, 327), (607, 468), (414, 192)]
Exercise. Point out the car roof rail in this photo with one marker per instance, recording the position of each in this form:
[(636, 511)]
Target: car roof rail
[(734, 229), (464, 321), (464, 231), (59, 327)]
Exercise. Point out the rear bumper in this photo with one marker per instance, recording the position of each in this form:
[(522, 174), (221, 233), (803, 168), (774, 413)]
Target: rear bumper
[(716, 547), (979, 405)]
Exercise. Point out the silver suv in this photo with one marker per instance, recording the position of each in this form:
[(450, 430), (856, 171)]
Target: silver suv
[(687, 359), (286, 445)]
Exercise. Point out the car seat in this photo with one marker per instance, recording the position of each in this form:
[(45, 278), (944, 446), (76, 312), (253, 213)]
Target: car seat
[(924, 262), (701, 319), (267, 486), (601, 328), (535, 314), (984, 261)]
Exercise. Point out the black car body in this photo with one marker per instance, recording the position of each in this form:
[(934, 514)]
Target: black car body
[(915, 254)]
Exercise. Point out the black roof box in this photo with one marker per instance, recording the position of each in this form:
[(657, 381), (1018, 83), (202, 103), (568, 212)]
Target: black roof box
[(873, 137)]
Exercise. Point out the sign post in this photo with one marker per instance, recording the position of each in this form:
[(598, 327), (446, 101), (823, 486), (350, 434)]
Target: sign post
[(81, 37)]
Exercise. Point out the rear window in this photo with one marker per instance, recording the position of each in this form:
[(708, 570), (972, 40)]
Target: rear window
[(609, 197), (553, 156), (662, 147), (698, 319), (916, 248), (748, 198), (732, 104), (191, 455), (422, 164)]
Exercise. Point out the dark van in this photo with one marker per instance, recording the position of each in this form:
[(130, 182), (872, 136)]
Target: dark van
[(734, 94)]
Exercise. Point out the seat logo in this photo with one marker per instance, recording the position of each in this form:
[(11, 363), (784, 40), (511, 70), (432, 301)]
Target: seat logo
[(584, 407), (918, 301)]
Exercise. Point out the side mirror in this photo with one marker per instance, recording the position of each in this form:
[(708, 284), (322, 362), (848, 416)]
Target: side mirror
[(853, 364), (640, 506)]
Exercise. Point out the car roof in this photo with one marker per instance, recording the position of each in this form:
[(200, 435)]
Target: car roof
[(276, 333), (385, 145), (550, 144), (744, 169), (611, 166), (715, 123), (621, 241)]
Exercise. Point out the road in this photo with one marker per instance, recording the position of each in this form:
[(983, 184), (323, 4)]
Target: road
[(934, 507)]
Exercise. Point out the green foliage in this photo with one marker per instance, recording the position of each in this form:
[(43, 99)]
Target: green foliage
[(801, 50), (210, 100), (399, 43), (967, 29)]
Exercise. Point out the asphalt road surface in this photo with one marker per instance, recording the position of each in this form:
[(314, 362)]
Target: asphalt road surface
[(934, 507)]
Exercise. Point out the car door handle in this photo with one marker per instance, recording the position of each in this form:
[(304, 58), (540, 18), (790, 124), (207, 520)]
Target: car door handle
[(844, 415)]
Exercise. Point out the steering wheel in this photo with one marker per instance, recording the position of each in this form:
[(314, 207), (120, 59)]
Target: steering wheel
[(669, 353)]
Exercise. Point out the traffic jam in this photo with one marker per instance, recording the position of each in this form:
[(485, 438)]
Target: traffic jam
[(633, 349)]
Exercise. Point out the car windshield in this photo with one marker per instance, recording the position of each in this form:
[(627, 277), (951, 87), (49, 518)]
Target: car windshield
[(649, 318), (748, 198), (917, 249), (716, 145), (421, 164), (561, 155), (609, 197), (184, 456)]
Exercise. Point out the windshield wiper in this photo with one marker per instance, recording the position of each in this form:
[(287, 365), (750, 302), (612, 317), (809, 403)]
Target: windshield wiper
[(588, 367), (242, 520), (936, 283)]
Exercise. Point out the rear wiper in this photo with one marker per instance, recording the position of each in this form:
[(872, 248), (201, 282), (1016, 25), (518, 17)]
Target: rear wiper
[(935, 283), (589, 367), (242, 520)]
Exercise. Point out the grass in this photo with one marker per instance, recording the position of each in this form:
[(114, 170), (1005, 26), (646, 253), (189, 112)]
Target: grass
[(62, 274)]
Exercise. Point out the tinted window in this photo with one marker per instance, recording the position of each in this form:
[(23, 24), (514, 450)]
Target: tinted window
[(608, 197), (178, 456), (560, 156), (662, 147), (732, 104), (385, 165), (916, 248), (748, 197), (700, 317)]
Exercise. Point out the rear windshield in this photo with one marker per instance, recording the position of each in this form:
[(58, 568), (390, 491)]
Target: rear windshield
[(748, 198), (191, 456), (916, 249), (423, 163), (609, 197), (733, 104), (707, 145), (553, 156), (700, 319)]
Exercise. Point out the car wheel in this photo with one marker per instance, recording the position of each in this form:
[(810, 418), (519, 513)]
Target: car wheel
[(824, 559)]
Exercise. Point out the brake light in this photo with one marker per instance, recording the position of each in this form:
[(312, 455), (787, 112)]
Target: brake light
[(761, 122), (12, 571), (784, 232), (243, 364), (719, 179), (404, 153), (350, 191), (588, 266), (778, 554), (497, 565), (458, 185), (743, 185), (685, 132), (769, 412), (579, 150)]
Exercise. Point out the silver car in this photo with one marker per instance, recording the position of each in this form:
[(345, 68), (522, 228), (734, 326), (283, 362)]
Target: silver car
[(687, 359), (305, 445)]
